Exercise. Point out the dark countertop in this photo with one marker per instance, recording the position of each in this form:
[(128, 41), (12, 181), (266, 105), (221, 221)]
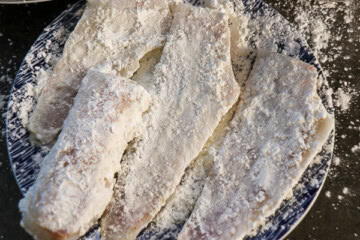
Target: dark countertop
[(330, 218)]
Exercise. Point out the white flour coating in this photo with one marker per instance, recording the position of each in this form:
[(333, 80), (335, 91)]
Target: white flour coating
[(195, 86), (176, 210), (186, 195), (240, 27), (277, 130), (181, 203), (76, 180), (118, 33)]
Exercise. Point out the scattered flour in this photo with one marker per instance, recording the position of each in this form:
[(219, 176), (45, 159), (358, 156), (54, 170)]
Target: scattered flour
[(328, 194), (314, 182), (315, 26), (319, 23), (355, 148), (6, 78), (336, 161), (6, 81), (342, 99), (3, 101)]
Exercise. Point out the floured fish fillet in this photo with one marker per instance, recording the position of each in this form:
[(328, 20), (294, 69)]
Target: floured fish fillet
[(76, 181), (194, 86), (119, 32), (241, 48), (169, 221), (278, 129)]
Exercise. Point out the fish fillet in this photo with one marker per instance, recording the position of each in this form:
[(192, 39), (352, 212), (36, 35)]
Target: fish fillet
[(76, 180), (117, 32), (169, 221), (194, 86), (277, 130)]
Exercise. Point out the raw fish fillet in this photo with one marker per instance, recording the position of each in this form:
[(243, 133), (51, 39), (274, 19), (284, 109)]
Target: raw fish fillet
[(114, 32), (169, 221), (194, 86), (279, 127), (76, 180)]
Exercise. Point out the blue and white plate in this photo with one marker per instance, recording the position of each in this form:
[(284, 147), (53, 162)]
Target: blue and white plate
[(23, 155)]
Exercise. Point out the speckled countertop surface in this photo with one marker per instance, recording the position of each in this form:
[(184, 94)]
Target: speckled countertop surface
[(336, 213)]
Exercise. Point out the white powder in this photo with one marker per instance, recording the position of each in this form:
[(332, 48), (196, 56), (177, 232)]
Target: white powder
[(355, 148), (6, 78), (345, 191), (336, 161), (328, 194), (342, 99), (314, 182), (25, 106), (5, 81), (3, 101)]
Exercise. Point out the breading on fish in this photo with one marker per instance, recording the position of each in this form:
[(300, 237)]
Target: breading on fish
[(279, 127), (194, 86), (76, 180), (116, 32)]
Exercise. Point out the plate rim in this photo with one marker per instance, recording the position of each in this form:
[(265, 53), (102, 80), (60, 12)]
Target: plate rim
[(80, 5)]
